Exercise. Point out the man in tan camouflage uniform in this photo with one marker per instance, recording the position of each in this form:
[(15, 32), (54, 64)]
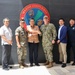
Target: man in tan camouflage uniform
[(48, 39), (21, 39)]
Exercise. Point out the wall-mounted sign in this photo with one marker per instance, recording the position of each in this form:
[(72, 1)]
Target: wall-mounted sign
[(36, 11)]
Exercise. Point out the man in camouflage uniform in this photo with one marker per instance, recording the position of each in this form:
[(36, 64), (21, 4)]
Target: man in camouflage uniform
[(21, 39), (48, 39)]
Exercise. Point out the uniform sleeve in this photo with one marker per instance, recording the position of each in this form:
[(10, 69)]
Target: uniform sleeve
[(41, 28), (54, 32), (2, 31), (17, 31)]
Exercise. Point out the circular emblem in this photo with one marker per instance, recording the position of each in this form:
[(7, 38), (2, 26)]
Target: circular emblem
[(35, 11)]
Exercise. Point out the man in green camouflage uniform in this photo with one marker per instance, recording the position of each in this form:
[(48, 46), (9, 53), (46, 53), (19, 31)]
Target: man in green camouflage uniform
[(21, 39), (48, 39)]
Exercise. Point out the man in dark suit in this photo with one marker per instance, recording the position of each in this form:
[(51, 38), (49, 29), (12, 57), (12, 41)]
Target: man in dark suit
[(71, 39), (62, 41)]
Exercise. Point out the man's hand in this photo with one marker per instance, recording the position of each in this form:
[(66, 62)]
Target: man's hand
[(19, 46), (9, 42), (38, 32), (6, 40), (53, 42), (58, 41)]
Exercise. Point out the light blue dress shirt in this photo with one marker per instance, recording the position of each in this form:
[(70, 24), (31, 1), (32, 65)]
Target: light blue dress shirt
[(59, 31)]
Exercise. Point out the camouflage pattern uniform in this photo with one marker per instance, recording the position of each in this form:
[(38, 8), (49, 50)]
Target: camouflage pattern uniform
[(48, 34), (23, 42)]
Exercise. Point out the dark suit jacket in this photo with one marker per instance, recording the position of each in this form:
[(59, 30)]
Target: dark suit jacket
[(63, 34)]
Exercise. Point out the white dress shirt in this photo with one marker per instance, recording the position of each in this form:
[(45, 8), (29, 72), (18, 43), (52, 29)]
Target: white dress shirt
[(59, 32), (7, 32)]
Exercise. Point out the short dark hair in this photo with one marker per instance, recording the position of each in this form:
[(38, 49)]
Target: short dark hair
[(21, 20), (72, 19), (62, 19), (31, 19)]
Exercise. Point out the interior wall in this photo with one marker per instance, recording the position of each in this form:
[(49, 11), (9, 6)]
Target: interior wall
[(56, 8)]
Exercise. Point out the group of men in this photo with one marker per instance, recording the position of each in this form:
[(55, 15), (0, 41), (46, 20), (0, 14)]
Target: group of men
[(66, 41), (29, 37)]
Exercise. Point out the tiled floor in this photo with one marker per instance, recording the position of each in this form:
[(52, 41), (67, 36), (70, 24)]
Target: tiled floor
[(41, 70), (58, 70)]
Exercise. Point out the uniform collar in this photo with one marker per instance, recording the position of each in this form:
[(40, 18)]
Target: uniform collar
[(21, 27)]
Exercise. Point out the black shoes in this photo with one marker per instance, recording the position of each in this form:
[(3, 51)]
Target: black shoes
[(59, 62), (6, 68), (37, 64), (63, 65), (73, 64), (10, 67), (31, 65)]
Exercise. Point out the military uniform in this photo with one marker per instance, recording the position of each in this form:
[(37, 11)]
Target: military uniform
[(23, 42), (48, 34)]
